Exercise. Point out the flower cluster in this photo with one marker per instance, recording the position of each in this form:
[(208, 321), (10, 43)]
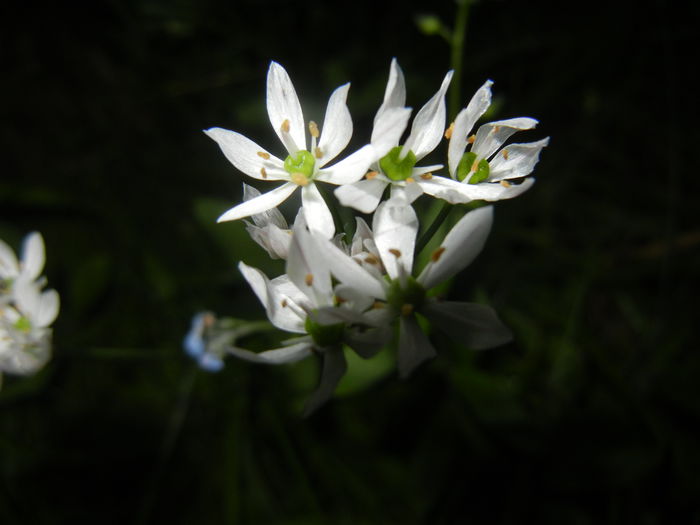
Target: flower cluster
[(353, 293), (26, 310)]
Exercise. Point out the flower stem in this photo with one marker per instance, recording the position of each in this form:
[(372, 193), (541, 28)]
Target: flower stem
[(457, 43), (424, 239)]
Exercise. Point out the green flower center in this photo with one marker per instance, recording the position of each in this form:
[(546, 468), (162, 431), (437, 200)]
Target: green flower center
[(469, 165), (394, 167), (324, 334), (23, 324), (408, 298), (302, 163)]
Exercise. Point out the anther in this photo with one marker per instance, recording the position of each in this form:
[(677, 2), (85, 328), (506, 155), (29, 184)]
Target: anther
[(284, 303), (448, 131), (471, 139), (406, 309), (396, 253), (505, 184), (318, 153), (410, 180), (264, 155), (371, 259), (377, 305), (313, 129), (426, 176), (371, 174), (309, 279), (299, 179), (263, 172), (435, 257), (505, 154), (285, 126), (496, 129)]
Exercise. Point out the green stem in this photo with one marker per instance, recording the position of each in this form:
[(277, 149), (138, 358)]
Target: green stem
[(458, 36), (427, 235)]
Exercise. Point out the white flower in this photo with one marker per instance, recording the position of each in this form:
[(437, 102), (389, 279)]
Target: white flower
[(395, 227), (484, 172), (292, 302), (269, 228), (28, 269), (306, 162), (395, 164)]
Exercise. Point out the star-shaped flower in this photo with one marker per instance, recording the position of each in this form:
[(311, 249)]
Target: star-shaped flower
[(396, 164), (485, 171), (306, 163)]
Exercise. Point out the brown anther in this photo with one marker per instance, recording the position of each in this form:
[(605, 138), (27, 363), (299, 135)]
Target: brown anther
[(496, 129), (309, 279), (318, 153), (340, 300), (505, 154), (371, 259), (285, 126), (471, 139), (435, 257), (448, 131), (506, 184), (264, 155), (299, 178), (313, 129), (209, 320), (406, 309), (377, 305), (263, 172), (284, 303), (409, 180), (426, 176), (371, 174), (396, 253)]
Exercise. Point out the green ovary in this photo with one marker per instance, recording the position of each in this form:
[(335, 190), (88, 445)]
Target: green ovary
[(23, 324), (480, 172), (412, 294), (301, 162), (324, 334), (395, 168)]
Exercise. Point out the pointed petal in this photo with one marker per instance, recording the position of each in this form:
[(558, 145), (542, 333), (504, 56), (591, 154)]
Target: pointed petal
[(395, 227), (414, 346), (243, 154), (283, 104), (460, 247), (334, 367), (47, 310), (316, 212), (33, 256), (351, 169), (491, 136), (464, 123), (457, 192), (337, 126), (363, 195), (276, 356), (388, 128), (260, 204), (410, 191), (9, 266), (395, 93), (474, 325), (521, 160), (307, 268), (271, 216), (429, 124), (257, 280)]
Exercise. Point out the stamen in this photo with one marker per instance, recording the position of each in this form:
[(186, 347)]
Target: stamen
[(396, 253), (309, 279), (378, 305), (285, 126), (406, 309), (264, 155), (505, 154), (299, 179), (284, 303), (448, 131), (340, 300), (506, 184), (426, 176), (371, 259), (435, 257), (471, 139), (410, 179), (318, 153), (496, 129), (371, 174), (263, 172), (313, 129)]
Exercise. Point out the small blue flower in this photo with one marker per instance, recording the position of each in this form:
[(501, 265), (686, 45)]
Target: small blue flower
[(198, 342)]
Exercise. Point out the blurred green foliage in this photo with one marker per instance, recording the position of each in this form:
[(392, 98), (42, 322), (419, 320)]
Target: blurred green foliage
[(589, 417)]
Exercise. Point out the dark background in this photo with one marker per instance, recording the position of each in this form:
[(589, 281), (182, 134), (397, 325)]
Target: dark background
[(589, 416)]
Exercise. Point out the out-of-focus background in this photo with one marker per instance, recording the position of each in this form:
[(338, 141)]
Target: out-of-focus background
[(588, 417)]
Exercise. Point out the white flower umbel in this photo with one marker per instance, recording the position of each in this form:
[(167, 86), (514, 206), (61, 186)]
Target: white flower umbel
[(403, 296), (485, 171), (306, 162), (396, 164), (292, 302)]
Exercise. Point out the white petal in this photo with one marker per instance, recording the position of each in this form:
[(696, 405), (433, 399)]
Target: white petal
[(351, 169), (395, 227), (9, 267), (318, 216), (362, 233), (521, 160), (271, 216), (276, 356), (260, 204), (243, 154), (367, 342), (465, 122), (409, 191), (33, 256), (283, 104), (458, 192), (395, 93), (337, 126), (363, 195), (307, 268), (474, 325), (460, 247), (257, 280), (429, 124), (388, 128), (414, 346), (47, 310), (334, 367), (275, 241), (491, 136)]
